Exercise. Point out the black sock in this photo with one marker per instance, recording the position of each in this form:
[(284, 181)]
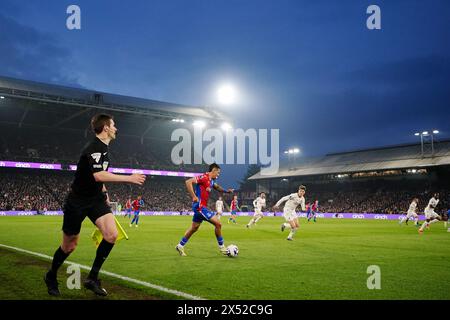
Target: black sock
[(58, 260), (103, 251)]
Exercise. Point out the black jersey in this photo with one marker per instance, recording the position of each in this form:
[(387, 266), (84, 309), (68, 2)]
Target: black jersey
[(94, 158)]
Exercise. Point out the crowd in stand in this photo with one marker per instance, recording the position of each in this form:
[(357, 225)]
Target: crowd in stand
[(128, 152), (41, 190)]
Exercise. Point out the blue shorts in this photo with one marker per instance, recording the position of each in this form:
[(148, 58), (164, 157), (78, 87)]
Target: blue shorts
[(137, 212), (201, 215), (233, 213)]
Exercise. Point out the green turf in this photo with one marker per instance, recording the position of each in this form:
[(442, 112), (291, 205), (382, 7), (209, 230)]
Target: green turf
[(327, 260)]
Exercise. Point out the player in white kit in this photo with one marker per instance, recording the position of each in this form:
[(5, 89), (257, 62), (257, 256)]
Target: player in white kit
[(219, 207), (412, 213), (258, 204), (292, 202), (430, 215)]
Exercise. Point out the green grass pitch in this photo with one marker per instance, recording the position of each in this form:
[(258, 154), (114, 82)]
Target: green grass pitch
[(327, 260)]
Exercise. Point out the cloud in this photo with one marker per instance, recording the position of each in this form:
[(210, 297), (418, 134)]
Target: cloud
[(30, 54)]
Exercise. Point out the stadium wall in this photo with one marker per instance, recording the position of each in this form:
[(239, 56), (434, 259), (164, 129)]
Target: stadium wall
[(327, 215)]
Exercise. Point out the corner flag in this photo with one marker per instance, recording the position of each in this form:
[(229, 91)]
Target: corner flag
[(97, 236)]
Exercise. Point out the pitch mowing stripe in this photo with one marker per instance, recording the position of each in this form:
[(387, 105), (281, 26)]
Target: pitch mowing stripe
[(111, 274)]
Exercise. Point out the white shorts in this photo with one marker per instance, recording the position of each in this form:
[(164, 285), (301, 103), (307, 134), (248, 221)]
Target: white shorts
[(219, 213), (411, 214), (257, 213), (430, 214), (289, 215)]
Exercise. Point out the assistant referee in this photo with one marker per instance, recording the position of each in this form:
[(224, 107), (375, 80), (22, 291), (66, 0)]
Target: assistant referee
[(88, 198)]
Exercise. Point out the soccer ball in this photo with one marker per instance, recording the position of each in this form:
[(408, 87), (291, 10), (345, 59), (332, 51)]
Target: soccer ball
[(232, 250)]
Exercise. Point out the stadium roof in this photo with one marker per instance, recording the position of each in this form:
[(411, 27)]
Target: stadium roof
[(44, 92), (378, 159)]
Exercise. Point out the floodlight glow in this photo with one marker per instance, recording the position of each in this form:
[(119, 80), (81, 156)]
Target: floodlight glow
[(291, 151), (417, 134), (2, 97), (286, 152), (199, 124), (425, 133), (226, 126), (296, 150), (435, 131), (226, 94)]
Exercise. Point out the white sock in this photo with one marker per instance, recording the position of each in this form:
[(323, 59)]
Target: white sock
[(257, 219), (287, 225), (403, 219), (423, 225), (445, 224), (416, 221), (251, 222), (433, 221), (291, 234)]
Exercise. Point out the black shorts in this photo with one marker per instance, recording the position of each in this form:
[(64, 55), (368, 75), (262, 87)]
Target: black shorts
[(77, 208)]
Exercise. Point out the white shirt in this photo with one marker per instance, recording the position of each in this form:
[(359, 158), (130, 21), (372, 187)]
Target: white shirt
[(432, 204), (259, 203), (293, 201), (412, 207), (219, 205)]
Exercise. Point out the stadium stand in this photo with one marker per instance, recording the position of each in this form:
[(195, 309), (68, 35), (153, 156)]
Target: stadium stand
[(49, 124)]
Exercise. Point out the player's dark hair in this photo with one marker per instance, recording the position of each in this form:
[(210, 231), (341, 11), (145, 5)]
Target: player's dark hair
[(213, 166), (302, 187), (99, 121)]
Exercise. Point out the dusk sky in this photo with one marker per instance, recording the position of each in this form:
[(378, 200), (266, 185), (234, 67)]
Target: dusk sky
[(310, 68)]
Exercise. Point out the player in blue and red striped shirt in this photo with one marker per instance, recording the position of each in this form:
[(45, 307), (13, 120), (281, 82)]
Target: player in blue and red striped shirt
[(314, 209), (136, 204), (234, 207), (200, 194)]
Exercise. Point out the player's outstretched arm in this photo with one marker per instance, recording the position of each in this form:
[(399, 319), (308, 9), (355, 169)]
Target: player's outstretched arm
[(220, 189), (105, 176), (284, 199)]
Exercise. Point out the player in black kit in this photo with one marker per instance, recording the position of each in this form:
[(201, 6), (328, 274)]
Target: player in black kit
[(88, 198)]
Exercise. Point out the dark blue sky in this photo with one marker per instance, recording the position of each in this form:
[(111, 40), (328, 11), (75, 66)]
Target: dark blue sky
[(310, 68)]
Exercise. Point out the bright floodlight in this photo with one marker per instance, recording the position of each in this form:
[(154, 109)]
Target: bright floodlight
[(296, 150), (425, 133), (286, 152), (226, 126), (435, 131), (291, 151), (226, 94), (417, 134), (199, 124), (2, 97)]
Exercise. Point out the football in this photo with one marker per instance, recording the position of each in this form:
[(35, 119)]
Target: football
[(232, 250)]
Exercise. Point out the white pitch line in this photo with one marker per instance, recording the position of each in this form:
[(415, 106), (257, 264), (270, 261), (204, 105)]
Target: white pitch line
[(111, 274)]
